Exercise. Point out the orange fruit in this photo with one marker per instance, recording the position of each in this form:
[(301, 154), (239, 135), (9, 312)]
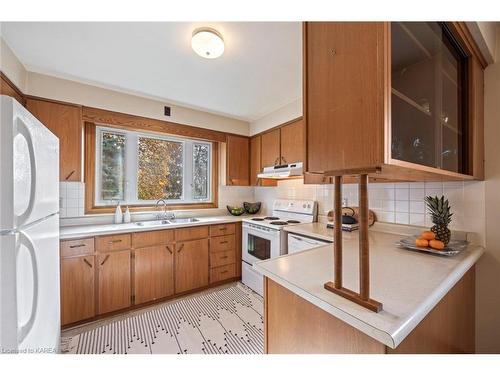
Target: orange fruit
[(428, 235), (421, 242), (436, 244)]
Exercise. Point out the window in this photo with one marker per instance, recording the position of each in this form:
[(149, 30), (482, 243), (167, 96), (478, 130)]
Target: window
[(139, 168)]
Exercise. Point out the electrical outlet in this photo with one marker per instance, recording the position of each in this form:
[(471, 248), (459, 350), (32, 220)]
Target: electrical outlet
[(167, 111), (344, 202)]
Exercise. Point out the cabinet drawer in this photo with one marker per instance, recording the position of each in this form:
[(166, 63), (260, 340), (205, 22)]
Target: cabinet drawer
[(222, 273), (222, 243), (222, 258), (113, 243), (84, 246), (157, 237), (193, 233), (222, 229)]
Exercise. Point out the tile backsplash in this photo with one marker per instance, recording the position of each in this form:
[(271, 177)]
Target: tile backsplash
[(71, 199), (400, 203)]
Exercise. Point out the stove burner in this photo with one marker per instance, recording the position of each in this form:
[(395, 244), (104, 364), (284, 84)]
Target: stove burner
[(271, 218), (278, 223), (293, 222), (257, 219)]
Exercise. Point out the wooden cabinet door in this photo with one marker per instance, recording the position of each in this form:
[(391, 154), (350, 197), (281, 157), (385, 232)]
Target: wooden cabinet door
[(344, 113), (77, 289), (255, 165), (270, 148), (191, 265), (237, 161), (65, 121), (292, 142), (114, 281), (153, 273)]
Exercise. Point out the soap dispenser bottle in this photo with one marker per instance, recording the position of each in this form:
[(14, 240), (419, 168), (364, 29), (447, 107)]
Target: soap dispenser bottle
[(118, 214), (126, 216)]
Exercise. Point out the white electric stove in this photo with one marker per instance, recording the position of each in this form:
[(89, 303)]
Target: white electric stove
[(264, 238)]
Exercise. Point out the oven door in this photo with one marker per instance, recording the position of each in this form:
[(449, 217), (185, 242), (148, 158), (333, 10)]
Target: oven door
[(259, 243)]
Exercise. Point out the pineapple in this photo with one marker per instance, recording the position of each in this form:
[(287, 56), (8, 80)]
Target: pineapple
[(439, 209)]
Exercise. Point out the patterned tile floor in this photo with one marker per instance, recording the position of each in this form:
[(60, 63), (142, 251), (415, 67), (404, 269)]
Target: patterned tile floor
[(225, 320)]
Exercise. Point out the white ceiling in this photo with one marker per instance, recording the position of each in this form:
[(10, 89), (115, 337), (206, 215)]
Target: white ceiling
[(259, 72)]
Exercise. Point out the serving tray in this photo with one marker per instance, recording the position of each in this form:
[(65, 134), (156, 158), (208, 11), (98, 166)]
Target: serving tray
[(454, 247)]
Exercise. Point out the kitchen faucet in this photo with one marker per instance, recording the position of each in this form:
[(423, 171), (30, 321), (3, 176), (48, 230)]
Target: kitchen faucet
[(163, 215)]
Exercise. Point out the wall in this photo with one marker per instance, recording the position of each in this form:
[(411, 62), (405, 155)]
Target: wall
[(93, 96), (486, 38), (488, 270), (278, 117), (401, 203), (11, 66)]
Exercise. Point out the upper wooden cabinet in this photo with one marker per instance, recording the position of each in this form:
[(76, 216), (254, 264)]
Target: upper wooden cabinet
[(402, 101), (255, 159), (9, 89), (237, 160), (65, 121), (270, 148), (292, 142), (283, 145)]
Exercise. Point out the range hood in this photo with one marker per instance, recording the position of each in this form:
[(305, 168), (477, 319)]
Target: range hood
[(281, 172)]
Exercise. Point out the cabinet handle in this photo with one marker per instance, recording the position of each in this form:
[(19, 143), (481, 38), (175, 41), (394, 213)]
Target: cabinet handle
[(105, 260), (277, 160), (114, 241), (169, 249), (87, 262), (284, 160), (222, 242), (180, 248), (223, 229), (80, 245), (69, 175), (223, 272), (224, 257)]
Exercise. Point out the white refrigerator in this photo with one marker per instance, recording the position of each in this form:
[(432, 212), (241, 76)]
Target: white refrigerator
[(29, 233)]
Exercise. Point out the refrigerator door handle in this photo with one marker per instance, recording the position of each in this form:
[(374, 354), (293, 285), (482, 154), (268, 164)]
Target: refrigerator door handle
[(25, 329), (24, 131)]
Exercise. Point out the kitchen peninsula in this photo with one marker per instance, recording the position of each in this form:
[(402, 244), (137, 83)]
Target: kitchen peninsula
[(428, 300)]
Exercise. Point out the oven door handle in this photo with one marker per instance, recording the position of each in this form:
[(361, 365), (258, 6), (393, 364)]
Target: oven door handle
[(256, 229)]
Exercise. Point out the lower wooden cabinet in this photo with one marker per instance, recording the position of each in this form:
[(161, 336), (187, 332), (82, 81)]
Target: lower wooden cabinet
[(114, 281), (191, 265), (122, 270), (77, 289), (153, 273)]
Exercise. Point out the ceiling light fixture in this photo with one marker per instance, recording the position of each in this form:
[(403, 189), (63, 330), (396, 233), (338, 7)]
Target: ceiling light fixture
[(207, 43)]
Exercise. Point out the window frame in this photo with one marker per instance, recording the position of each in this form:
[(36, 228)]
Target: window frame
[(92, 149), (131, 165)]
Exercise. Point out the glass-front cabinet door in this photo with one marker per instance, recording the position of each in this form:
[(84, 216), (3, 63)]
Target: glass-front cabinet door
[(428, 96)]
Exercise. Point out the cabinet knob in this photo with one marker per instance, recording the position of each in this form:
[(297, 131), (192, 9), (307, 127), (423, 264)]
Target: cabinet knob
[(334, 51)]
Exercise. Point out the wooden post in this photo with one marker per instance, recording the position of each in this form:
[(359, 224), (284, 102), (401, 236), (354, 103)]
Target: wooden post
[(363, 297), (337, 234), (364, 259)]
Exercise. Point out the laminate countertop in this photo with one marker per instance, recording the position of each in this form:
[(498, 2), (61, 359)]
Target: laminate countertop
[(409, 284), (81, 231)]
